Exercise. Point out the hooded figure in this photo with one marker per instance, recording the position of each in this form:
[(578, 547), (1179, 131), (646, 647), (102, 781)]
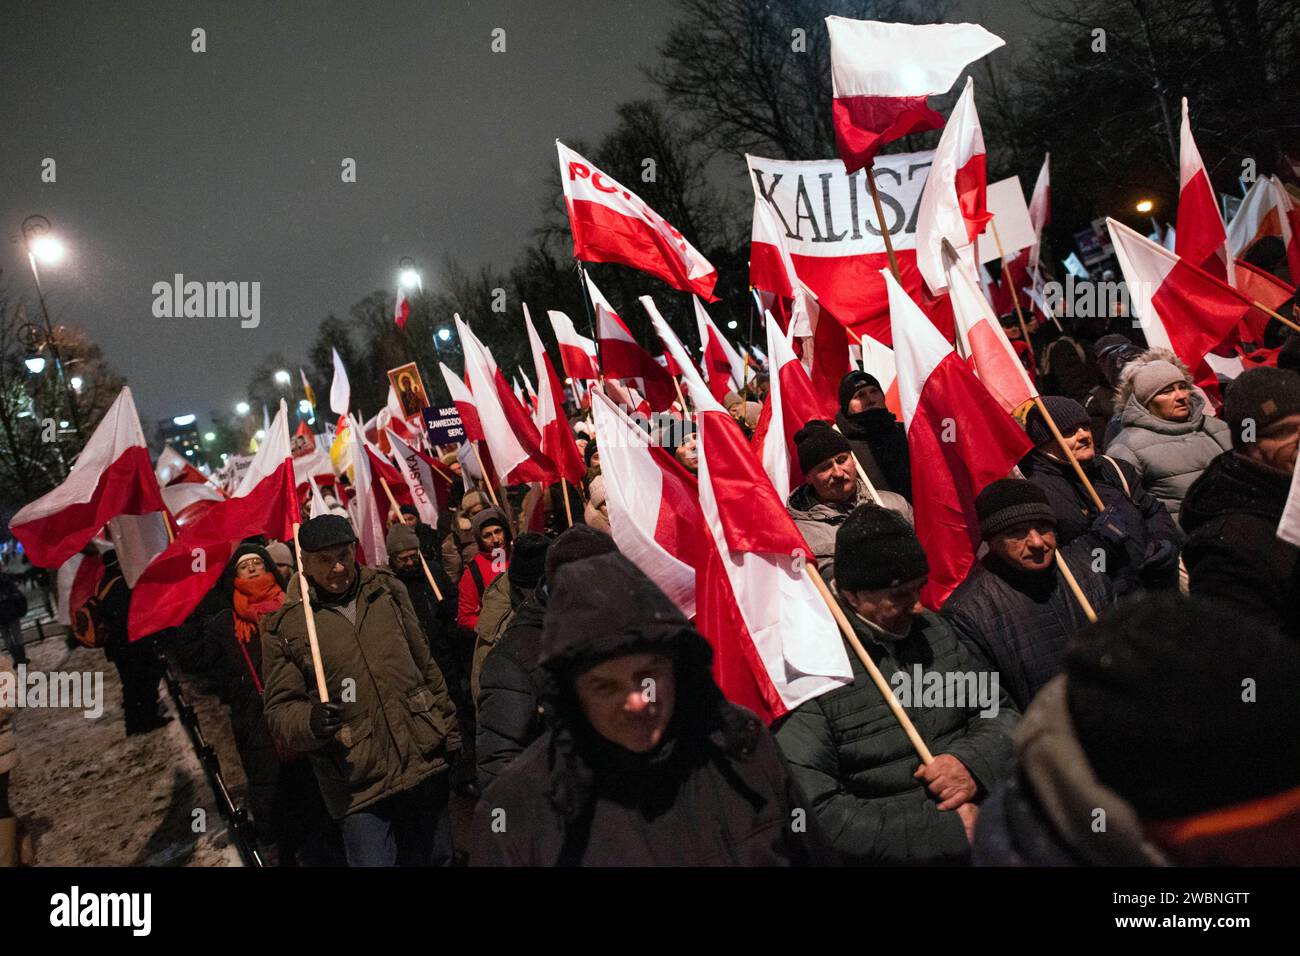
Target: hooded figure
[(878, 438), (1166, 435), (491, 534), (643, 762)]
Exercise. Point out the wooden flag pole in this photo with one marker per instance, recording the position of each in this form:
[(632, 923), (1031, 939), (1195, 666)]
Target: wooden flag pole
[(1263, 308), (862, 474), (1077, 591), (877, 678), (880, 220), (483, 471), (437, 592), (1006, 277), (680, 397), (314, 644), (568, 509)]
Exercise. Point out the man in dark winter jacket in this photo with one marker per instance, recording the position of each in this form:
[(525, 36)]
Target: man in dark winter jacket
[(509, 715), (382, 745), (1232, 511), (878, 438), (846, 749), (1147, 751), (830, 492), (136, 661), (1014, 610), (1133, 539), (437, 617), (504, 597), (643, 762)]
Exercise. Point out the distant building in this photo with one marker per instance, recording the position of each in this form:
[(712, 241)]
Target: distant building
[(182, 433)]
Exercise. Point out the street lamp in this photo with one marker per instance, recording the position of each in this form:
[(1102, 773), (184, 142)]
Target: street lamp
[(76, 383), (209, 436), (282, 378), (409, 275), (1145, 205), (241, 408), (35, 364), (42, 245), (444, 334)]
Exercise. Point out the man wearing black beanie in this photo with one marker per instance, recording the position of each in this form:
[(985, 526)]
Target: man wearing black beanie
[(1014, 610), (846, 749), (508, 687), (1232, 511), (1171, 738), (878, 438), (831, 489), (1134, 537)]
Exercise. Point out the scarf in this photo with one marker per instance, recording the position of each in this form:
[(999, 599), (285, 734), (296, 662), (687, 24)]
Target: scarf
[(254, 597)]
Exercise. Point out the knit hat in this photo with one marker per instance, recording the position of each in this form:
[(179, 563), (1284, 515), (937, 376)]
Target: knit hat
[(401, 538), (850, 384), (1068, 414), (816, 442), (1160, 704), (876, 548), (1009, 501), (1150, 378), (528, 560), (325, 531), (1261, 395), (280, 553), (488, 516), (575, 544)]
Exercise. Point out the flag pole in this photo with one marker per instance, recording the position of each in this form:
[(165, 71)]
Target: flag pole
[(1074, 462), (880, 220), (483, 471), (862, 474), (1077, 591), (568, 509), (872, 670), (392, 500), (316, 663), (1006, 277), (586, 301), (1263, 308)]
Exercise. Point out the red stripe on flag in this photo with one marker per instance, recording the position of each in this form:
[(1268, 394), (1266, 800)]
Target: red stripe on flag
[(863, 124)]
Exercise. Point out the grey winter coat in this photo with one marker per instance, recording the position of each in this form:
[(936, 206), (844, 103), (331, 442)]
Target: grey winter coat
[(1169, 456), (818, 521)]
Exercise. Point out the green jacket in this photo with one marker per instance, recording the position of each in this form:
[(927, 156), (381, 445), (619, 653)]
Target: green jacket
[(399, 724), (853, 760)]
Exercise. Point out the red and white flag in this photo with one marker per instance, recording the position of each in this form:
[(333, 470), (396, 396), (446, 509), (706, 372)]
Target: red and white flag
[(369, 504), (791, 404), (112, 476), (188, 502), (1181, 307), (953, 201), (610, 223), (558, 443), (340, 390), (421, 483), (622, 357), (775, 642), (981, 341), (878, 361), (654, 509), (959, 440), (264, 503), (173, 468), (463, 399), (724, 369), (1201, 238), (509, 431), (1267, 210), (882, 74), (577, 352), (401, 308), (1040, 208)]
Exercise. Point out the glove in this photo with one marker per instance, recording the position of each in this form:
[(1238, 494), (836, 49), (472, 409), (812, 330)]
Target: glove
[(325, 721), (1118, 522), (1160, 555)]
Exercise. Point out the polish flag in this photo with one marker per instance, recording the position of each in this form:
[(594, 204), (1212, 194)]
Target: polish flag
[(381, 467), (959, 440), (188, 502), (510, 433), (610, 223), (882, 73), (340, 390), (577, 352), (1181, 307), (1267, 210), (775, 642), (76, 580), (557, 437), (986, 348), (723, 367), (1040, 209), (654, 509), (953, 201), (1201, 239), (621, 356), (425, 478), (791, 404), (264, 503), (825, 341), (401, 308), (172, 468), (878, 361), (464, 402), (112, 476), (369, 500)]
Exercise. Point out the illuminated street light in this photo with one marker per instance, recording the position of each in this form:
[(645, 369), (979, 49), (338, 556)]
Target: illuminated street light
[(282, 378), (76, 383), (259, 434), (183, 420), (35, 364), (444, 334), (1145, 205), (409, 276), (241, 408), (731, 324), (209, 436), (304, 407), (47, 249)]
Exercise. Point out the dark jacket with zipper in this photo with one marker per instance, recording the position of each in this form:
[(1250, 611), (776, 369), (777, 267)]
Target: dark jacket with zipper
[(399, 723), (854, 760), (510, 686)]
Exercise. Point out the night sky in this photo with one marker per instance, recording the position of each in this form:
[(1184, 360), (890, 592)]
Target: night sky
[(225, 165)]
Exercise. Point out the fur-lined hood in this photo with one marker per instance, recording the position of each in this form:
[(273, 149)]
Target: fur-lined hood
[(1124, 388)]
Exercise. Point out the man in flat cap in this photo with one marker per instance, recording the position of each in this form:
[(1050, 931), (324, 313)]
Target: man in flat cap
[(383, 743)]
